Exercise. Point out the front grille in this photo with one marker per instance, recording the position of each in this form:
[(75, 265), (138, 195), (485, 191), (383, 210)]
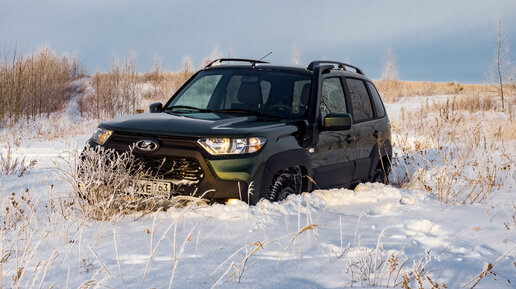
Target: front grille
[(174, 168)]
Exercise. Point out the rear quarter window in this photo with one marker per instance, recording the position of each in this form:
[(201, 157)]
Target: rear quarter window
[(362, 109), (378, 105)]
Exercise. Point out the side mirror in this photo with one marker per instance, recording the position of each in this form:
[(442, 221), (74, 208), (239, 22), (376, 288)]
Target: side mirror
[(337, 121), (155, 107)]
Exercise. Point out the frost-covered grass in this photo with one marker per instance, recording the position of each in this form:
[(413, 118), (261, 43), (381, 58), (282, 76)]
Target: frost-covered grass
[(449, 213)]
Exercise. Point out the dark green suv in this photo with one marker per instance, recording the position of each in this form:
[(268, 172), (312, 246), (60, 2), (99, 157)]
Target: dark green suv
[(245, 129)]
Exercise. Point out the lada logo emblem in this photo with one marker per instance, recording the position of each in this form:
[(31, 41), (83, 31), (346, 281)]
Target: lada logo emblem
[(147, 145)]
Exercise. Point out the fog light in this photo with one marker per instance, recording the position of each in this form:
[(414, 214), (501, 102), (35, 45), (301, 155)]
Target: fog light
[(232, 202)]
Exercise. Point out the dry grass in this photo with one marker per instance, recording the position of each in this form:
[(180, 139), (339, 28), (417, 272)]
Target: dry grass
[(10, 165), (236, 270), (488, 269), (392, 90), (55, 126), (367, 267), (102, 182), (20, 238), (458, 149), (29, 225), (439, 150), (99, 190)]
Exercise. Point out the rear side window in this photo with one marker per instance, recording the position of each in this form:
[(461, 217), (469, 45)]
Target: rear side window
[(362, 109), (378, 105)]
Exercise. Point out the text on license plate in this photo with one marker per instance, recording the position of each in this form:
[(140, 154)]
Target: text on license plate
[(151, 187)]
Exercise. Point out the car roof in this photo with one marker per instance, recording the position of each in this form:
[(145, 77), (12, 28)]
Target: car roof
[(279, 67), (348, 73), (266, 66)]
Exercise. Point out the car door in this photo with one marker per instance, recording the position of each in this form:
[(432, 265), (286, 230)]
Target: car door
[(332, 157), (365, 126)]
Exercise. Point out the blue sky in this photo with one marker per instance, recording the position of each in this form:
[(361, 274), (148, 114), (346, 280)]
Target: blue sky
[(431, 40)]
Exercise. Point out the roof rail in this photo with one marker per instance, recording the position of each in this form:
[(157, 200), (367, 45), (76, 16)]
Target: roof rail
[(220, 60), (340, 65)]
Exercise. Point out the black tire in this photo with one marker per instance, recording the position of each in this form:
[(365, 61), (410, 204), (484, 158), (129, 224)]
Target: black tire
[(285, 184), (381, 175)]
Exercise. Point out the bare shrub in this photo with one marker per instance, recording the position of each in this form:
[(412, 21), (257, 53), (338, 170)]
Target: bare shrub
[(501, 50), (103, 182), (35, 85), (130, 87), (159, 87), (123, 90), (389, 85), (114, 93), (164, 84), (214, 54)]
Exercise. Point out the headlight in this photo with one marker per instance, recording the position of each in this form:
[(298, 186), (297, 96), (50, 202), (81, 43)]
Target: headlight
[(101, 135), (229, 146)]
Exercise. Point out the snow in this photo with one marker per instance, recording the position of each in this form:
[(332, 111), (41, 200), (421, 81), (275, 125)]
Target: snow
[(312, 240), (412, 103)]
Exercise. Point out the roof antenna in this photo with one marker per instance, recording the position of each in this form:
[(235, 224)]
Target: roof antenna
[(265, 56)]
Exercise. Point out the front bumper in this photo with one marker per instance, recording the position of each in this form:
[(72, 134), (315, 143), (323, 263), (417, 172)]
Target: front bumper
[(223, 178)]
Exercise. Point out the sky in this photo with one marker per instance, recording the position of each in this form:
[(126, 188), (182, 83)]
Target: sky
[(430, 40)]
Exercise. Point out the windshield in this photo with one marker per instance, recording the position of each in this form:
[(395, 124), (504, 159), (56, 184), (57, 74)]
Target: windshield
[(257, 92)]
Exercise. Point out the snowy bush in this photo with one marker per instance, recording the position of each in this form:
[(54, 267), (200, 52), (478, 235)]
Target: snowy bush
[(102, 181)]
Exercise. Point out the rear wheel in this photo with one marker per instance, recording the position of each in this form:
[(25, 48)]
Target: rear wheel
[(381, 174), (288, 182)]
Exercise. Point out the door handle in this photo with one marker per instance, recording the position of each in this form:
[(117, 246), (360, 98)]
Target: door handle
[(349, 138), (375, 134)]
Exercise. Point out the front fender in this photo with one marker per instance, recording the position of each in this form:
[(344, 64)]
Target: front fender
[(280, 161)]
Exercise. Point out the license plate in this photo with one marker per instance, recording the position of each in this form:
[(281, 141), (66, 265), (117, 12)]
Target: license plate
[(151, 187)]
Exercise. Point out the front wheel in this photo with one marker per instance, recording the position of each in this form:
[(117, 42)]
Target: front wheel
[(286, 183)]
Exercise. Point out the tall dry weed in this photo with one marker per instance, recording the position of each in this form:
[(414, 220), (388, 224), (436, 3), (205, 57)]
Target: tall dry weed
[(12, 165)]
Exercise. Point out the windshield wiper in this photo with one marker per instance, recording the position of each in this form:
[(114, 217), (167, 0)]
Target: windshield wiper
[(187, 107), (246, 112)]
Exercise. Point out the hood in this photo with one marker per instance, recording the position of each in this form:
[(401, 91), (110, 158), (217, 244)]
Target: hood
[(190, 125)]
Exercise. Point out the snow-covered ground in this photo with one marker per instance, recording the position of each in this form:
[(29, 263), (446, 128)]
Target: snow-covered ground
[(368, 237)]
